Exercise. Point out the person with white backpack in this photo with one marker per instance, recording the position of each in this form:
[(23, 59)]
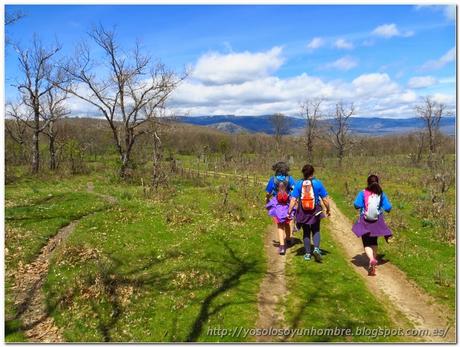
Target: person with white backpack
[(372, 202), (306, 197)]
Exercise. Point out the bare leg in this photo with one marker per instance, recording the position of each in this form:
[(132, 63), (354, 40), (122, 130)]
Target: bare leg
[(287, 229), (281, 234), (374, 250), (369, 252)]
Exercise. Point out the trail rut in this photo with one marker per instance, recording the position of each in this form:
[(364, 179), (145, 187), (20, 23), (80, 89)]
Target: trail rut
[(272, 289), (37, 324)]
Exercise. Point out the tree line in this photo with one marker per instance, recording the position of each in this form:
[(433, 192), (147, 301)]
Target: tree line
[(129, 90)]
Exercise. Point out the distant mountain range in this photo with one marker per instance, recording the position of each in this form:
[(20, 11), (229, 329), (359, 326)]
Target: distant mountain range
[(372, 126)]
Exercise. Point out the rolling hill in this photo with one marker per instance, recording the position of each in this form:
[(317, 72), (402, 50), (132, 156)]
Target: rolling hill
[(372, 126)]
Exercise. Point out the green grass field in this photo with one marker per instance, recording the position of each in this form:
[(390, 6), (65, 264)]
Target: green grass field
[(168, 266)]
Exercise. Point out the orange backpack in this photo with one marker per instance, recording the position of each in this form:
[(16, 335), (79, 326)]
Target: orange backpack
[(307, 197)]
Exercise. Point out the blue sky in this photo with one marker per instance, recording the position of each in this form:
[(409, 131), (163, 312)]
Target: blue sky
[(260, 59)]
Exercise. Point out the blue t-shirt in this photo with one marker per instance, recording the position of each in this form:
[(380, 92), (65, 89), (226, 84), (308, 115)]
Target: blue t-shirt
[(360, 204), (271, 187), (318, 190)]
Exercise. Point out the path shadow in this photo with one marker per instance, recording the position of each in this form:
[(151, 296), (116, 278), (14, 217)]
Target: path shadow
[(361, 260), (295, 241), (301, 251)]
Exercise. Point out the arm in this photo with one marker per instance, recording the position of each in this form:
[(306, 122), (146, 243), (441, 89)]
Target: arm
[(269, 189), (267, 197), (292, 204), (294, 196), (386, 205), (359, 201), (324, 198), (327, 204)]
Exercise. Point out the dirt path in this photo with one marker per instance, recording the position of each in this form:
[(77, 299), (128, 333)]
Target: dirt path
[(391, 285), (273, 287), (37, 324), (402, 298)]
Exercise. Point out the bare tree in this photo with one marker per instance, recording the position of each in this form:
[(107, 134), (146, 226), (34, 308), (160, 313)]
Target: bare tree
[(54, 109), (16, 124), (122, 93), (37, 65), (431, 113), (158, 176), (311, 112), (11, 17), (280, 125), (339, 129)]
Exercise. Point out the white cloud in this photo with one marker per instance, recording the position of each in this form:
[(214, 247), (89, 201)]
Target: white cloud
[(217, 68), (445, 59), (447, 10), (386, 30), (345, 63), (374, 94), (391, 30), (315, 43), (374, 84), (421, 82), (343, 44), (444, 98)]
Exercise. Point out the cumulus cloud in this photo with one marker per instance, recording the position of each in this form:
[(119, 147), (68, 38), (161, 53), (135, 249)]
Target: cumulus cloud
[(345, 63), (343, 44), (315, 43), (217, 68), (421, 82), (445, 59), (374, 94), (390, 30), (378, 84)]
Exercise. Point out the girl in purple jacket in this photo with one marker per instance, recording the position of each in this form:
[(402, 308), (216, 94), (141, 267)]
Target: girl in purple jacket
[(372, 202)]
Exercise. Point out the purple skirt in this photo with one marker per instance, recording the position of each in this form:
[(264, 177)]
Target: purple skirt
[(309, 217), (377, 228), (277, 211)]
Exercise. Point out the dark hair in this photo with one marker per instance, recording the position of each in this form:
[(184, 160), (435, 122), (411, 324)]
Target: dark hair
[(373, 185), (281, 168), (308, 171)]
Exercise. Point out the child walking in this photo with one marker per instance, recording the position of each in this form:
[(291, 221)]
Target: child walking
[(278, 190), (307, 196), (371, 202)]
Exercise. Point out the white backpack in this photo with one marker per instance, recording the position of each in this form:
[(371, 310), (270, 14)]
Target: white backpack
[(371, 206)]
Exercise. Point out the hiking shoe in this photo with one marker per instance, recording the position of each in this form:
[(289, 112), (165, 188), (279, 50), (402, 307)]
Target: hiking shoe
[(282, 250), (307, 256), (317, 254), (372, 265)]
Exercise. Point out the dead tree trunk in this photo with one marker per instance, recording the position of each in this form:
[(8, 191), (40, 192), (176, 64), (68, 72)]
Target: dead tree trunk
[(157, 173)]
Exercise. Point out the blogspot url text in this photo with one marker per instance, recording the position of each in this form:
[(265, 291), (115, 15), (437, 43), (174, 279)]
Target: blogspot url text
[(241, 332)]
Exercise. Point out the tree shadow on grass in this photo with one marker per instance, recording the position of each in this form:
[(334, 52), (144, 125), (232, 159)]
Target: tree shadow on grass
[(151, 276), (239, 267), (310, 312)]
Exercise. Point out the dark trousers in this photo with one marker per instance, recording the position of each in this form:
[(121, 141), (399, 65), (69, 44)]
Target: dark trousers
[(308, 230)]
